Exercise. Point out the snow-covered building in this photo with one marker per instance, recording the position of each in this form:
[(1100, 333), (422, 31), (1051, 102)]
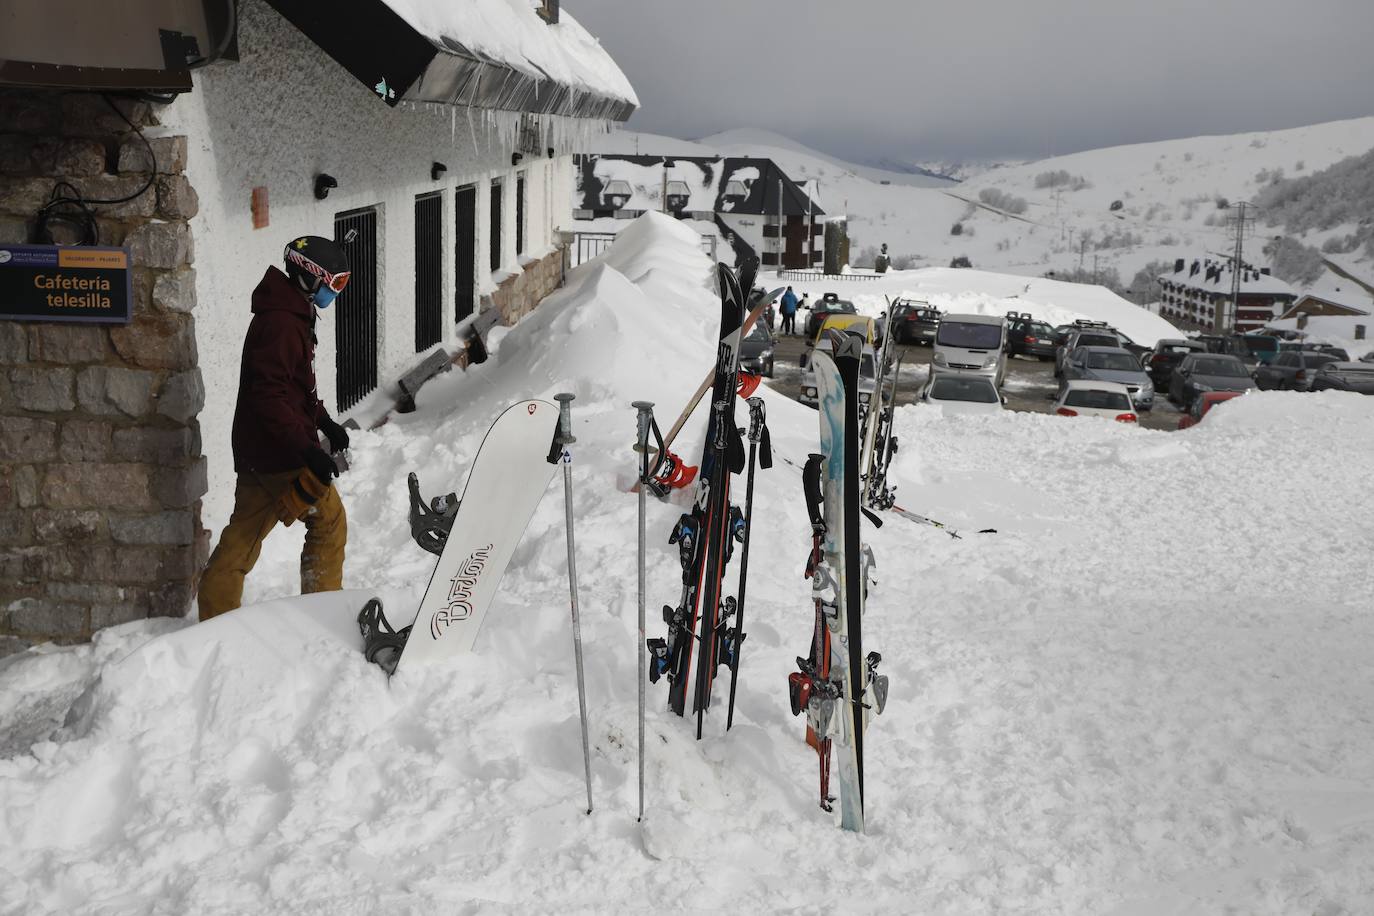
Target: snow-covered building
[(434, 140), (1322, 317), (751, 202), (1201, 293)]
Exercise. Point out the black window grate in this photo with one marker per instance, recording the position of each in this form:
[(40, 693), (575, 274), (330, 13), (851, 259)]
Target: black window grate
[(496, 225), (465, 251), (520, 215), (355, 319), (429, 270)]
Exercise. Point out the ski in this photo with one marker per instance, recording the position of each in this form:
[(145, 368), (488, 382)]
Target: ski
[(760, 455), (850, 687), (705, 535)]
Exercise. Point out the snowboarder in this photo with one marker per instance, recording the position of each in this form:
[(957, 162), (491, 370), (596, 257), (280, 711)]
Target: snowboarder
[(283, 473), (789, 312)]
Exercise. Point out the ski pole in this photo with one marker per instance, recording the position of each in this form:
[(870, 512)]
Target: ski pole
[(645, 417), (566, 438), (757, 430)]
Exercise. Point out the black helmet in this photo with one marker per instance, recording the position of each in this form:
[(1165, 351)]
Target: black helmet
[(315, 263)]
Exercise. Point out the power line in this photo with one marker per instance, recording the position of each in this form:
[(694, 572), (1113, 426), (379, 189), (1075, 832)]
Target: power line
[(1239, 222)]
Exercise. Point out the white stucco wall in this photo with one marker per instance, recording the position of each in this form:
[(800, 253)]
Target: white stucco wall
[(285, 113)]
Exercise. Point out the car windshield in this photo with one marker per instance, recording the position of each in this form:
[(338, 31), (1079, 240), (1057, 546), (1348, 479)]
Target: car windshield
[(1223, 368), (963, 388), (759, 332), (1040, 329), (1096, 399), (1096, 340), (836, 305), (1179, 350), (1120, 362), (968, 335)]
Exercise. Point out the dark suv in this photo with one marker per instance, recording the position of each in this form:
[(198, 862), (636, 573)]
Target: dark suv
[(824, 307), (1165, 356), (913, 322), (1028, 337)]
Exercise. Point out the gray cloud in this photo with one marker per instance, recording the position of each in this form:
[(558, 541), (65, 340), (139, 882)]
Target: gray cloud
[(985, 78)]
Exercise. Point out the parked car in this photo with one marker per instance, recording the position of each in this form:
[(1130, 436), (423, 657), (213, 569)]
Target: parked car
[(1292, 371), (1084, 334), (825, 306), (1085, 398), (963, 394), (1198, 373), (1368, 357), (1345, 376), (1259, 348), (1203, 404), (1029, 337), (913, 322), (756, 350), (867, 376), (971, 343), (1165, 356), (1336, 351), (1112, 364)]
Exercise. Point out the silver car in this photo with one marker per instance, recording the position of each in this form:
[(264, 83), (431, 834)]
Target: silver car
[(867, 380), (1112, 364)]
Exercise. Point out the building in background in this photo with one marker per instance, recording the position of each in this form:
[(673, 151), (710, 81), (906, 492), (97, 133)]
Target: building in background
[(749, 203), (1200, 293), (434, 141)]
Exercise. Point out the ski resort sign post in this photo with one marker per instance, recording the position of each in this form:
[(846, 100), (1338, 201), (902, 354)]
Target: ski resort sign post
[(57, 283)]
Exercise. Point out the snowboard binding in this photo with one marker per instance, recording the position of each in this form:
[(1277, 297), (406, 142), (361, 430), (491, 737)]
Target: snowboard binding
[(381, 644), (431, 523)]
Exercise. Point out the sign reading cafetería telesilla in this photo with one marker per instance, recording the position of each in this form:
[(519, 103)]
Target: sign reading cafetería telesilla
[(58, 283)]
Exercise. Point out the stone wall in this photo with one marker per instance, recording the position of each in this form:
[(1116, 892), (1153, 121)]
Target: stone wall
[(517, 296), (101, 470)]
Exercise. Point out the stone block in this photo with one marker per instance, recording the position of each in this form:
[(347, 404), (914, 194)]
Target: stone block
[(23, 439), (23, 196), (68, 526), (176, 198), (163, 528), (181, 562), (169, 153), (175, 291), (165, 447), (95, 486), (14, 344), (84, 440), (88, 115), (45, 390), (103, 390), (182, 396), (16, 528), (171, 600), (177, 488), (26, 486), (27, 112), (86, 593), (40, 617), (110, 615), (70, 158), (164, 245), (142, 202), (68, 343), (14, 230), (157, 341), (19, 564)]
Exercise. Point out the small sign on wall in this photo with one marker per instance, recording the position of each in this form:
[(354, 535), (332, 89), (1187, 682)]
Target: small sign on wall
[(60, 283)]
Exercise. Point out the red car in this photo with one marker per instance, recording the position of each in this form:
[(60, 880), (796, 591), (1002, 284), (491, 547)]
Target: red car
[(1203, 404)]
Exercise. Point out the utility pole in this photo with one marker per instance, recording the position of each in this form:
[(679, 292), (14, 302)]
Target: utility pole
[(1222, 322), (782, 245), (1082, 250), (1095, 257), (663, 204)]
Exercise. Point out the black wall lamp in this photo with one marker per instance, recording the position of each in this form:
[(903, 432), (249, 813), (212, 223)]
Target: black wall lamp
[(551, 152), (323, 185), (515, 158), (437, 170)]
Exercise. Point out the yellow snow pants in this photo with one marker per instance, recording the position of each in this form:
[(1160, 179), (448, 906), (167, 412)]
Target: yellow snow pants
[(255, 514)]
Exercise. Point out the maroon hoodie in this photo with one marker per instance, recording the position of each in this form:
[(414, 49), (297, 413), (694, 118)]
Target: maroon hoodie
[(278, 413)]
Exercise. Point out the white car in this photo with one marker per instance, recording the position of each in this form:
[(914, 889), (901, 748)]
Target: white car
[(866, 376), (963, 394), (1091, 398)]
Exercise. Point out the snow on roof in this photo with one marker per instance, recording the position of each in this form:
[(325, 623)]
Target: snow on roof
[(1215, 277), (510, 32), (734, 185)]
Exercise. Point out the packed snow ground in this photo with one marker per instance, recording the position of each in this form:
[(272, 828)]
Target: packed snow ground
[(1148, 693)]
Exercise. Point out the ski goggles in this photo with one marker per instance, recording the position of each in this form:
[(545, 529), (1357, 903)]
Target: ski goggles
[(336, 282)]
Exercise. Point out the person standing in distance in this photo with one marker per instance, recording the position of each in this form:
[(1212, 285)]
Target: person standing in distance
[(283, 474), (789, 312)]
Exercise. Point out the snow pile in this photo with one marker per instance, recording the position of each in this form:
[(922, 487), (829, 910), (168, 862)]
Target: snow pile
[(510, 32), (1145, 694)]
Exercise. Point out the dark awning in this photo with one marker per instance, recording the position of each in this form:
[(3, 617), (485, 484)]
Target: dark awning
[(397, 62)]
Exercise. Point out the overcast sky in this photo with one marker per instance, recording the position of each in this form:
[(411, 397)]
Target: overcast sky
[(987, 78)]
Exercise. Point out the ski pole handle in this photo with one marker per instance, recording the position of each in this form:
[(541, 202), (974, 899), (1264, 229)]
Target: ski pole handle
[(756, 418), (565, 433), (643, 421)]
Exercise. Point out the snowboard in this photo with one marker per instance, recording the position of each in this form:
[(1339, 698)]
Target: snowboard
[(514, 464)]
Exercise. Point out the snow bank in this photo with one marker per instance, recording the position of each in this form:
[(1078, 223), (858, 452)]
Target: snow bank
[(1147, 693)]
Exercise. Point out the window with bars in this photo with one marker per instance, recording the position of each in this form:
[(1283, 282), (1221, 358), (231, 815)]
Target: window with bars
[(520, 215), (464, 251), (496, 225), (429, 270), (355, 318)]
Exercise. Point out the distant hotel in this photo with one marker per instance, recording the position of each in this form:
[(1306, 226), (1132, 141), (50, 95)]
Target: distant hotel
[(1201, 293)]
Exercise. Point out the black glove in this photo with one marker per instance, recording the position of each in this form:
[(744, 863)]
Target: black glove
[(337, 435), (321, 465)]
